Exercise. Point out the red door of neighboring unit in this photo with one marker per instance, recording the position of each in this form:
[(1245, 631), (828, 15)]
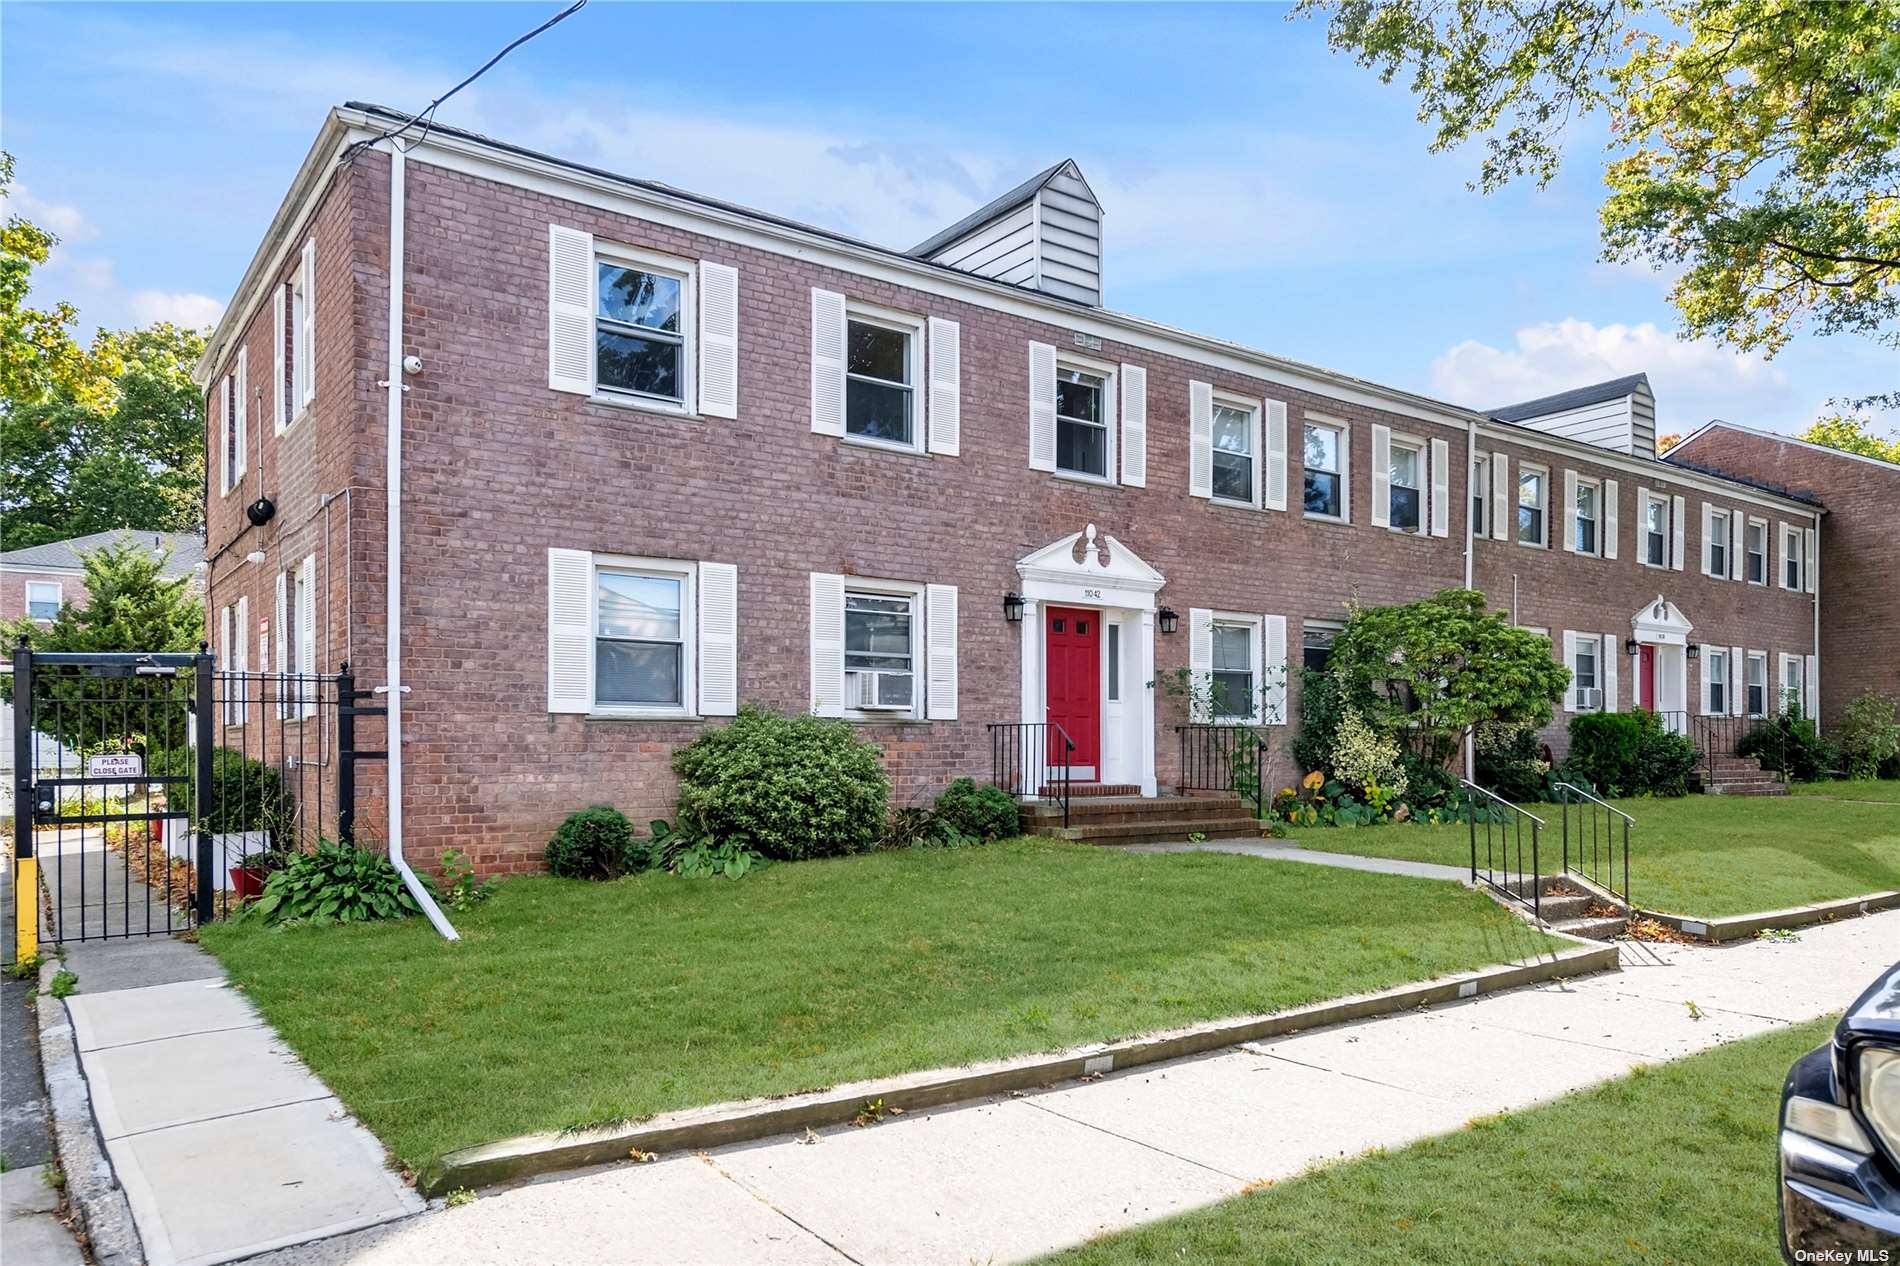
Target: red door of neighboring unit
[(1075, 685), (1646, 677)]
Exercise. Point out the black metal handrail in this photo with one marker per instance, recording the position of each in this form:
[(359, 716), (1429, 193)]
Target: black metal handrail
[(1602, 834), (1033, 758), (1717, 737), (1230, 759), (1504, 848)]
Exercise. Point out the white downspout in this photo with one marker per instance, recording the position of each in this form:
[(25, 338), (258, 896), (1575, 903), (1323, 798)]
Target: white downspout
[(1471, 469), (393, 689)]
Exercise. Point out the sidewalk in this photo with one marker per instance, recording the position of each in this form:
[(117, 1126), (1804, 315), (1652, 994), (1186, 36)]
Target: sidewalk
[(1011, 1178)]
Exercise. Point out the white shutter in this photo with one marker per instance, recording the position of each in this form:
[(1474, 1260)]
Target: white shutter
[(827, 362), (224, 659), (221, 400), (286, 658), (718, 651), (1042, 406), (1570, 510), (1737, 682), (1708, 538), (570, 630), (307, 632), (243, 413), (277, 410), (1778, 556), (1277, 469), (244, 639), (1737, 528), (1811, 690), (1441, 488), (1780, 701), (1200, 661), (1381, 475), (307, 367), (1612, 647), (1134, 426), (1569, 643), (1810, 572), (1200, 439), (827, 644), (1679, 511), (940, 645), (1709, 653), (1273, 664), (1609, 518), (718, 340), (570, 311), (946, 387), (1501, 516)]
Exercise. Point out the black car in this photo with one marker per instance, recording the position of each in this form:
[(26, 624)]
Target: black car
[(1840, 1138)]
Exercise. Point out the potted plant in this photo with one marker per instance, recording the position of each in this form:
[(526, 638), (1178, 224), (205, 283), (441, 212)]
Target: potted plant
[(247, 811), (253, 871)]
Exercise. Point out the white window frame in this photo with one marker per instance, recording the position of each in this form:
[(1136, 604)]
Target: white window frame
[(684, 271), (1343, 430), (1714, 666), (1256, 651), (1111, 414), (1331, 628), (59, 599), (1767, 554), (1797, 555), (1752, 659), (1543, 485), (912, 328), (1420, 449), (1644, 533), (1719, 536), (1794, 683), (665, 568), (1595, 488), (919, 665), (303, 339), (1480, 490), (1256, 438)]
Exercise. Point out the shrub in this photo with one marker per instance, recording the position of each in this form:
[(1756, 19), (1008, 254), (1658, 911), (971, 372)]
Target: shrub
[(1604, 750), (246, 794), (1427, 785), (1664, 761), (594, 843), (1507, 759), (339, 882), (1319, 722), (1368, 763), (979, 810), (1869, 736), (1788, 744), (786, 788)]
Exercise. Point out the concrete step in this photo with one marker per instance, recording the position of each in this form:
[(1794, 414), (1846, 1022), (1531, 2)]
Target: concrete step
[(1568, 906), (1133, 809), (1763, 787), (1605, 929), (1159, 830)]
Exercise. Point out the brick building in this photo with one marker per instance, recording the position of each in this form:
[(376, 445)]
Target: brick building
[(661, 455), (1860, 550), (37, 580)]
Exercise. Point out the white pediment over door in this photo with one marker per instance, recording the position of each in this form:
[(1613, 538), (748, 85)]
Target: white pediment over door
[(1662, 621), (1087, 571)]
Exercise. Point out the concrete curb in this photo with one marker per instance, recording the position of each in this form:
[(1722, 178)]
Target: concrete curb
[(91, 1186), (1741, 927), (697, 1129)]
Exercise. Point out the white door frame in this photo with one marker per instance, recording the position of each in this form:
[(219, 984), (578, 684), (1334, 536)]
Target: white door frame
[(1661, 624)]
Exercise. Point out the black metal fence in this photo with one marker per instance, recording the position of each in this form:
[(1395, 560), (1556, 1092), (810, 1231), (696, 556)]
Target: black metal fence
[(1596, 840), (1721, 738), (1503, 838), (1230, 759), (1033, 759)]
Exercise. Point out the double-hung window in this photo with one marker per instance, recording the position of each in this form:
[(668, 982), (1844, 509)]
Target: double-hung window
[(880, 652), (1082, 438), (642, 650), (1586, 651), (1533, 500), (1715, 549), (1316, 644), (1655, 530), (880, 390), (1715, 667), (1236, 456), (1791, 683), (1405, 496), (1756, 545), (1481, 495), (1325, 490), (1234, 670), (1792, 559), (640, 327), (42, 599), (1589, 517), (1757, 684)]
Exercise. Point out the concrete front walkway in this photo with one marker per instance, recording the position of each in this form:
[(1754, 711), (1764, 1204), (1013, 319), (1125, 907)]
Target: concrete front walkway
[(1007, 1179), (1282, 851)]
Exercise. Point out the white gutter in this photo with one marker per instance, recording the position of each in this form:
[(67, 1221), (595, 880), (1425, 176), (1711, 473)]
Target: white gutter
[(393, 689)]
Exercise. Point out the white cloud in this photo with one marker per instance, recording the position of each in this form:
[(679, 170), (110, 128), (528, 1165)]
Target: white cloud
[(194, 311), (1694, 380), (65, 222)]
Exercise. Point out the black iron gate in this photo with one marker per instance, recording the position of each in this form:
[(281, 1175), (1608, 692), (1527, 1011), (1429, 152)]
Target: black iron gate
[(153, 792)]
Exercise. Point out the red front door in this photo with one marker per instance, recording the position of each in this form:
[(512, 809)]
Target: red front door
[(1074, 687), (1646, 677)]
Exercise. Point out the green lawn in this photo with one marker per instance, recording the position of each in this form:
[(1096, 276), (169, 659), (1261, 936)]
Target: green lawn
[(1672, 1165), (1883, 790), (1700, 855), (569, 1003)]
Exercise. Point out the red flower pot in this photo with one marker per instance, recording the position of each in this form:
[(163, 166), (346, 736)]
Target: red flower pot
[(248, 881)]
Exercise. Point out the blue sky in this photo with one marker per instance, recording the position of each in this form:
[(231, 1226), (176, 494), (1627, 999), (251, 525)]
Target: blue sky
[(1257, 186)]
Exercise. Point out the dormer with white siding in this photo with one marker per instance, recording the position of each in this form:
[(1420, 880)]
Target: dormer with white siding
[(1046, 234), (1619, 415)]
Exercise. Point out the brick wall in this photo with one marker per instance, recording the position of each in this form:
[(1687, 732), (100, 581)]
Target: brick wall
[(13, 583)]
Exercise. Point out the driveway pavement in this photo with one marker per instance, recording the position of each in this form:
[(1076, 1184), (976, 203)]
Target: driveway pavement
[(1008, 1179)]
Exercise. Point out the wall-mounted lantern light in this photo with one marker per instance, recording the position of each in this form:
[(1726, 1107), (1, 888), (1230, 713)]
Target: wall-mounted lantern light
[(1167, 619), (1013, 607), (1695, 651), (1629, 647)]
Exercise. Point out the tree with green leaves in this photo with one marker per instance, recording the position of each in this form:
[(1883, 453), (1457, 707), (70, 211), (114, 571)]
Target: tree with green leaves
[(1755, 144), (38, 355), (1853, 434), (1426, 672)]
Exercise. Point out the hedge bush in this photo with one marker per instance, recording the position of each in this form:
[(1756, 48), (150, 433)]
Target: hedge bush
[(1628, 754), (1664, 761), (1509, 760), (1320, 714), (979, 810), (1789, 744), (246, 794), (787, 788), (595, 843), (1870, 737)]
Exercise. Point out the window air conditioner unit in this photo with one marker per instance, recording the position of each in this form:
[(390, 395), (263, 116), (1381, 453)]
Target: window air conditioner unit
[(1589, 698), (881, 692)]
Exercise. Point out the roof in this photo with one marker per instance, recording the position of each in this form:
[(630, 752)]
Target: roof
[(1760, 485), (1717, 424), (1575, 398), (987, 212), (187, 550)]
